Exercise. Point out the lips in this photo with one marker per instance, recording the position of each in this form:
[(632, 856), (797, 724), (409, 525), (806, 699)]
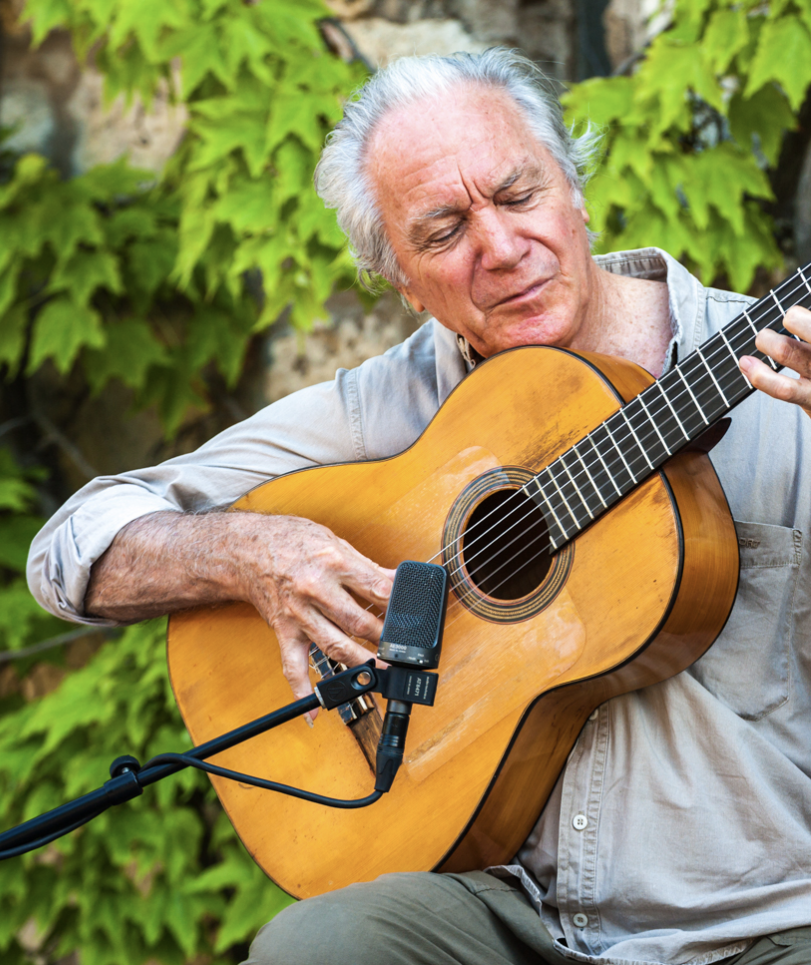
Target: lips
[(530, 291)]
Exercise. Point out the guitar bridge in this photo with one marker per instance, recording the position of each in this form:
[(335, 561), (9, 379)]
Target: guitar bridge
[(325, 667), (360, 715)]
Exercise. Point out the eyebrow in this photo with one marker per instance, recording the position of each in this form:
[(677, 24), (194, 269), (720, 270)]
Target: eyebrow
[(424, 222)]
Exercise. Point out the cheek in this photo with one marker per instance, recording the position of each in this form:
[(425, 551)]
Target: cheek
[(445, 280)]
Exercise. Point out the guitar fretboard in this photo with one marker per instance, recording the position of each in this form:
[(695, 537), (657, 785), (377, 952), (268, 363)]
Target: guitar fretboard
[(624, 450)]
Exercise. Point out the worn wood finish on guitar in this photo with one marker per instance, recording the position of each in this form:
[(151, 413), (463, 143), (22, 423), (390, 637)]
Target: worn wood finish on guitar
[(650, 586)]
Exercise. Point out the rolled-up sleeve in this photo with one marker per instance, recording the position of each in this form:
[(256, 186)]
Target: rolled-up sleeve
[(314, 426)]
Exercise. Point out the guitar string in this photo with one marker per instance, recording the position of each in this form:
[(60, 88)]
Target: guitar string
[(722, 351), (614, 463)]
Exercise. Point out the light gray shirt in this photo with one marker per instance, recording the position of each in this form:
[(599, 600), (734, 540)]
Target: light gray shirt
[(681, 826)]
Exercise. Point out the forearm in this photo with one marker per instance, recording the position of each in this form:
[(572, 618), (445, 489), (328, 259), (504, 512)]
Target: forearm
[(169, 561), (298, 574)]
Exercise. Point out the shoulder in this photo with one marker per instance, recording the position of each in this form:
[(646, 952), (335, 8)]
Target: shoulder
[(399, 392)]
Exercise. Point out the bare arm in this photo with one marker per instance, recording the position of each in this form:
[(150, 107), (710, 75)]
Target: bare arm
[(296, 573)]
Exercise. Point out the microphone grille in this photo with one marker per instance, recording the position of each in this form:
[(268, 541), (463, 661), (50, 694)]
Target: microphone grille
[(415, 611)]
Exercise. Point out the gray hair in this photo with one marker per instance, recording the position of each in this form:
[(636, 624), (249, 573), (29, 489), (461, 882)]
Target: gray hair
[(340, 176)]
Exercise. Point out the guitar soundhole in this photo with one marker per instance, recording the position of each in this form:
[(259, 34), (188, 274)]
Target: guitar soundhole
[(504, 545)]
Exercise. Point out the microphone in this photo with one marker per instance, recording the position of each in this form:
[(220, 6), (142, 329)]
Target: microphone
[(411, 640)]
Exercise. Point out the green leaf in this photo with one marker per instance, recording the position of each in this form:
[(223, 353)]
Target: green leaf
[(12, 337), (243, 43), (601, 100), (199, 48), (766, 114), (8, 289), (15, 494), (45, 16), (726, 35), (84, 272), (783, 55), (60, 330), (250, 206), (150, 262), (663, 83), (21, 617), (130, 223), (294, 112), (727, 176), (146, 20), (130, 351), (242, 132)]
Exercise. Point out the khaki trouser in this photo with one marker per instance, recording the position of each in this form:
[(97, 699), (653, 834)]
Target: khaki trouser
[(431, 919)]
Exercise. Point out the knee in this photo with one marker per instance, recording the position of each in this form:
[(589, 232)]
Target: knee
[(311, 932)]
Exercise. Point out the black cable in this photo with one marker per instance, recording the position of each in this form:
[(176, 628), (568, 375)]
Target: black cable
[(332, 802), (41, 842)]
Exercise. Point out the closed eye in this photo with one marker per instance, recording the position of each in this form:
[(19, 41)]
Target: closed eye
[(516, 202), (441, 239)]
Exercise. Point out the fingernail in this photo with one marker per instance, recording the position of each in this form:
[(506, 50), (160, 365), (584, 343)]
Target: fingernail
[(309, 719)]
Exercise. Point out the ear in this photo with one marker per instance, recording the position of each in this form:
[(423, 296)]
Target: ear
[(412, 300), (585, 214)]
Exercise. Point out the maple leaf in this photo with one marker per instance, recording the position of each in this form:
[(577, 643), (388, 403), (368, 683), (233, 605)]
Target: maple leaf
[(60, 331), (783, 55)]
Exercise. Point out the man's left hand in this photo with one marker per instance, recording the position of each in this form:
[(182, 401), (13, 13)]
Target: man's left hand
[(787, 351)]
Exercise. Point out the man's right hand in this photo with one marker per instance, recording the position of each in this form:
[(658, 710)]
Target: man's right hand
[(298, 574)]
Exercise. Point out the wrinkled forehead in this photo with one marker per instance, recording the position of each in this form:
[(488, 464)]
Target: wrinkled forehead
[(438, 150)]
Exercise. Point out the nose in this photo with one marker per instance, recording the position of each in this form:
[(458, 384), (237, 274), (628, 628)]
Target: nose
[(501, 246)]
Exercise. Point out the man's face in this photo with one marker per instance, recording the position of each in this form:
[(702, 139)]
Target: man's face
[(482, 221)]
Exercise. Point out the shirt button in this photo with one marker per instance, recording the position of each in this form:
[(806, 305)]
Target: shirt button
[(594, 714), (580, 920), (580, 822)]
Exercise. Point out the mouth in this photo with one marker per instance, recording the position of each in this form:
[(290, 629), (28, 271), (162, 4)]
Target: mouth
[(524, 295)]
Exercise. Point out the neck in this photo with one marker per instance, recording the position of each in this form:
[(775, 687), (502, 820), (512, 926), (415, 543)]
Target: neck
[(628, 317)]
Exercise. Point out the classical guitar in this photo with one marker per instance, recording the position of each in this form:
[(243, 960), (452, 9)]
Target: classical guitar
[(590, 551)]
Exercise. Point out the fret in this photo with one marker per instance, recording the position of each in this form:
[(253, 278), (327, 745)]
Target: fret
[(636, 437), (583, 500), (551, 509), (735, 360), (752, 326), (551, 475), (594, 485), (777, 302), (712, 376), (783, 313), (619, 450), (670, 406), (643, 433), (667, 448), (692, 396), (801, 273), (602, 461)]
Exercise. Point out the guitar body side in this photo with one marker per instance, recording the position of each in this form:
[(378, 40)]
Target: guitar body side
[(650, 585)]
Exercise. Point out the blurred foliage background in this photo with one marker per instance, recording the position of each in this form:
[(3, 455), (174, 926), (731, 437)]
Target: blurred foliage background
[(162, 283)]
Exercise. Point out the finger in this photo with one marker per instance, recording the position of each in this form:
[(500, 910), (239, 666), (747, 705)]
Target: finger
[(778, 386), (785, 350), (798, 321), (369, 580), (294, 648), (336, 644), (355, 620)]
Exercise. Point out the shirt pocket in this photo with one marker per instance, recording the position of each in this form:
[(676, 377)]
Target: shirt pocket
[(747, 667)]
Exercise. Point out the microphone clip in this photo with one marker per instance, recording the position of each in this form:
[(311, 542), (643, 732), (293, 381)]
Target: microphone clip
[(394, 683)]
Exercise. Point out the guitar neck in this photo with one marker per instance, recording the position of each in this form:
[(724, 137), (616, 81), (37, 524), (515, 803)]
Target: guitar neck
[(676, 410)]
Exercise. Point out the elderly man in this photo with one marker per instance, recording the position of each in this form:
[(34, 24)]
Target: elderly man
[(679, 830)]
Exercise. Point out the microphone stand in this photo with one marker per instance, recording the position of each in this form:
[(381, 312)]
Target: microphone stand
[(128, 778)]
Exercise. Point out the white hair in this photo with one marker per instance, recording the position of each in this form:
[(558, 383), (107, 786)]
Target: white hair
[(341, 178)]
